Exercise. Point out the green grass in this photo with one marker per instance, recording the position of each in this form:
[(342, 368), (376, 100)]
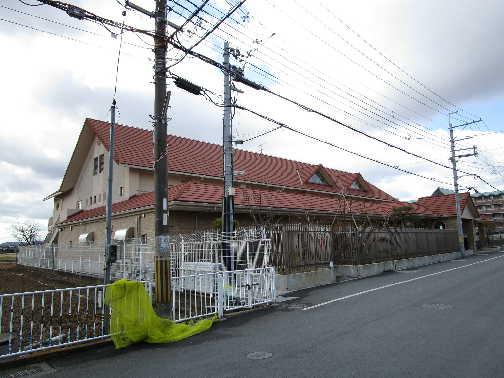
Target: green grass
[(6, 257)]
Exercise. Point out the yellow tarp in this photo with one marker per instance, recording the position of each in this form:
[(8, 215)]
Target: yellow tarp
[(133, 318)]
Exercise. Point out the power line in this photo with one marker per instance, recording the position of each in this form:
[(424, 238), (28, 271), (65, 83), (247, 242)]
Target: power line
[(283, 125)]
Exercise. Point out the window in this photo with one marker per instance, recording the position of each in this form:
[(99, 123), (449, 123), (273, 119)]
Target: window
[(317, 178), (102, 162), (94, 200), (143, 239), (356, 185), (104, 196), (99, 197), (121, 191), (95, 169), (90, 201), (79, 205)]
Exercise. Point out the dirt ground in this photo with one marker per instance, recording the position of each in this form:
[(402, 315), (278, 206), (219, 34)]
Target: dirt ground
[(19, 279)]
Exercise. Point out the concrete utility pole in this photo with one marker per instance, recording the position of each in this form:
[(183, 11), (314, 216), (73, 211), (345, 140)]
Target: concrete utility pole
[(455, 181), (162, 267), (229, 191)]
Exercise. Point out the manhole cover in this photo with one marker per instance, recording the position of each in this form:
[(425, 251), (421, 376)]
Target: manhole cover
[(438, 306), (259, 355)]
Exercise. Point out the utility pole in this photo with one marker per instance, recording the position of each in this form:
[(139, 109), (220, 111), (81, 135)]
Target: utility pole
[(455, 181), (109, 257), (229, 191), (161, 221)]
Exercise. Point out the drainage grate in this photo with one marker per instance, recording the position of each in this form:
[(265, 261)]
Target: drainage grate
[(29, 371), (439, 306), (295, 305), (259, 355)]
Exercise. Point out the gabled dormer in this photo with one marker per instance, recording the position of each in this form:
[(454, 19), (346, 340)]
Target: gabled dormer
[(320, 176), (359, 184)]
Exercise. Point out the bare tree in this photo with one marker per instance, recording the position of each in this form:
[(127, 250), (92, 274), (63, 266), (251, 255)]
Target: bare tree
[(27, 232)]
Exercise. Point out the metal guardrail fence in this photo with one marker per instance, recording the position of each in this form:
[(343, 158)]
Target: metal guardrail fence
[(40, 320)]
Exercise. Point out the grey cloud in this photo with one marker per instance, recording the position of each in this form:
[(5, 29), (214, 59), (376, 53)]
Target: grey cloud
[(25, 156), (192, 116)]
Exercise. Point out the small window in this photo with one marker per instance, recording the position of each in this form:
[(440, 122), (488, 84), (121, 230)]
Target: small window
[(79, 205), (104, 196), (95, 169), (99, 197), (90, 201), (94, 200), (121, 191), (102, 162), (356, 185), (318, 178), (143, 239)]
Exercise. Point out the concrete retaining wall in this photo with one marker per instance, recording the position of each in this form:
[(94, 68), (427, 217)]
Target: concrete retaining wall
[(298, 281)]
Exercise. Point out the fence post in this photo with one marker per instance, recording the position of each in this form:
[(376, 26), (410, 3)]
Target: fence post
[(220, 295), (249, 289)]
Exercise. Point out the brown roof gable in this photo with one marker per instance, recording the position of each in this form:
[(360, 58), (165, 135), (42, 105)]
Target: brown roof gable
[(444, 204), (134, 147)]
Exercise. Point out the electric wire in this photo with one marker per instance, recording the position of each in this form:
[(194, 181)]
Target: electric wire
[(294, 63)]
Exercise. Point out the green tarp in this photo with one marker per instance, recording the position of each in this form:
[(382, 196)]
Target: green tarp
[(133, 319)]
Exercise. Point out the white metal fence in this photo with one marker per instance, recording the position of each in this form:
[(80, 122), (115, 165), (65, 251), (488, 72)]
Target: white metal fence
[(202, 284), (49, 319), (134, 261), (205, 294), (189, 254)]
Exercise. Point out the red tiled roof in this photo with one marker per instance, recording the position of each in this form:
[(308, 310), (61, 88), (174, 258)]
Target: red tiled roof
[(134, 146), (441, 205), (196, 192)]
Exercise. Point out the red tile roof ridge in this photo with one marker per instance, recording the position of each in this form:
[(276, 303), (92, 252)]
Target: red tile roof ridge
[(220, 146)]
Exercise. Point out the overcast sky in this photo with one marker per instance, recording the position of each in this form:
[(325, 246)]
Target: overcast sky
[(391, 69)]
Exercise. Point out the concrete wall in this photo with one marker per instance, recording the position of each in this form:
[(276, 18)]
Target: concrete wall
[(298, 281)]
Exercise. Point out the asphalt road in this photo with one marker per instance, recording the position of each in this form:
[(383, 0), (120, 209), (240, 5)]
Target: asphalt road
[(442, 320)]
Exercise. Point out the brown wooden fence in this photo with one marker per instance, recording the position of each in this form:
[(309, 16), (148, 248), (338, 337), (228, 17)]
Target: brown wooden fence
[(297, 248)]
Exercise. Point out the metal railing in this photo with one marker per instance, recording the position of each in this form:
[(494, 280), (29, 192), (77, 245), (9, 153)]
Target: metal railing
[(49, 319), (201, 295)]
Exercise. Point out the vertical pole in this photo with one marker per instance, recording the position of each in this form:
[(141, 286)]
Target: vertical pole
[(108, 217), (162, 244), (227, 139), (455, 182)]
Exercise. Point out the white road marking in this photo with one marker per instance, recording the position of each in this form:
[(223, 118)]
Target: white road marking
[(397, 283)]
